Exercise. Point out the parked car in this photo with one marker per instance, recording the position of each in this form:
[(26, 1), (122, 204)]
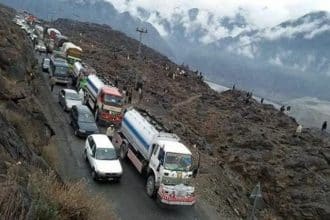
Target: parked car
[(68, 98), (45, 64), (82, 121), (102, 158)]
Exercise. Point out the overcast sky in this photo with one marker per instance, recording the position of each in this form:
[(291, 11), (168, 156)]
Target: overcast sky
[(262, 13)]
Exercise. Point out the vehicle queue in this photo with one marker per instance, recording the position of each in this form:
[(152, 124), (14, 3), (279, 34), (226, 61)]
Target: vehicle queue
[(155, 152)]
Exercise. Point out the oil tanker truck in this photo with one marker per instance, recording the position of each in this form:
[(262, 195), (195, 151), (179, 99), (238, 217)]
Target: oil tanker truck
[(105, 101), (159, 155)]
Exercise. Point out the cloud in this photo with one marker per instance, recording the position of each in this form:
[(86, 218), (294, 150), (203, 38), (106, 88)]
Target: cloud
[(315, 32), (262, 14), (276, 61), (291, 31)]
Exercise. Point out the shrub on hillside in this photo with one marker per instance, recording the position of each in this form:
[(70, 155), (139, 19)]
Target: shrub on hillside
[(42, 196)]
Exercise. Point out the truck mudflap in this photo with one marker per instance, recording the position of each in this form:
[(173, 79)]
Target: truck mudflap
[(176, 195)]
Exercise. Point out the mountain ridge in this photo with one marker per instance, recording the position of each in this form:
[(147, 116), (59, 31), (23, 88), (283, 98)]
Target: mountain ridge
[(279, 62)]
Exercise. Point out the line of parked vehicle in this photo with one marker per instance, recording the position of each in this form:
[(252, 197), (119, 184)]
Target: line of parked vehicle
[(99, 152), (155, 152)]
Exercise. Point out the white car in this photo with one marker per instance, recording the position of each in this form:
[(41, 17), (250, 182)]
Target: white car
[(68, 98), (102, 158), (45, 65)]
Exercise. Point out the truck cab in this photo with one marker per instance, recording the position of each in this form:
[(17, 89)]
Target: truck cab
[(170, 171), (105, 101), (111, 105)]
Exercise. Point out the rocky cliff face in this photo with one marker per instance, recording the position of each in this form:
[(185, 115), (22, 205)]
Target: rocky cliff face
[(241, 143), (29, 188), (24, 129)]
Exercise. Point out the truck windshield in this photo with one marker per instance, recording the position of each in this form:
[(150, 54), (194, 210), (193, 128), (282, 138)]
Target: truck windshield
[(113, 100), (105, 154), (177, 162)]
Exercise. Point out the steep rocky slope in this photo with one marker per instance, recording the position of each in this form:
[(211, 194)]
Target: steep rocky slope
[(240, 143), (29, 189)]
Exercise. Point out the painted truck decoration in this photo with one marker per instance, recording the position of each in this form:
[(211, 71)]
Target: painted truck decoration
[(51, 34), (72, 52), (105, 101), (166, 161)]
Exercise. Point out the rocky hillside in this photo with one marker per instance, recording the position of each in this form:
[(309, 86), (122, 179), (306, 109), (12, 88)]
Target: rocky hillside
[(29, 188), (241, 143)]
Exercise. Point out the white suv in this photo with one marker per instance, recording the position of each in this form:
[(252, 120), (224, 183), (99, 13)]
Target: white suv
[(102, 158)]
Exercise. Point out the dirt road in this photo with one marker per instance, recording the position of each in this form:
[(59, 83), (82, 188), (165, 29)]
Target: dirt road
[(128, 198)]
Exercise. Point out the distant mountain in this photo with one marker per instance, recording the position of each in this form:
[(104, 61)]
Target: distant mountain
[(96, 11), (283, 62), (287, 61), (301, 44)]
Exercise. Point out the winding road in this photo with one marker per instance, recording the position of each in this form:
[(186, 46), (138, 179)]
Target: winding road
[(127, 198)]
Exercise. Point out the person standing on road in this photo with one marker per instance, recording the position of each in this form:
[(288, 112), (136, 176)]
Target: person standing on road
[(299, 130), (129, 96), (81, 94), (116, 81), (324, 126), (52, 83), (125, 94), (140, 94), (110, 131)]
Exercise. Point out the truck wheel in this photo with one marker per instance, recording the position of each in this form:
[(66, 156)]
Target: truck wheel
[(123, 151), (150, 186)]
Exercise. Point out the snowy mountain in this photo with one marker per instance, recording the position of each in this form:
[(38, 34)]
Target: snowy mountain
[(281, 62), (286, 61), (96, 11), (300, 44)]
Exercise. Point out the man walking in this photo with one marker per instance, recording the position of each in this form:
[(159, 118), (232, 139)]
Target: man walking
[(52, 83), (140, 94), (110, 131), (324, 126)]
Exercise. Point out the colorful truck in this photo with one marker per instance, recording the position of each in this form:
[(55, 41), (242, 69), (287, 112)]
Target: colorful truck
[(72, 52), (50, 37), (159, 155), (105, 101)]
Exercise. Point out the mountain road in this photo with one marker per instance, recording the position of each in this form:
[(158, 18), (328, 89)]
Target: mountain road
[(128, 198)]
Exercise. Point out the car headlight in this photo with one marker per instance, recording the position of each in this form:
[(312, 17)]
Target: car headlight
[(82, 130)]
